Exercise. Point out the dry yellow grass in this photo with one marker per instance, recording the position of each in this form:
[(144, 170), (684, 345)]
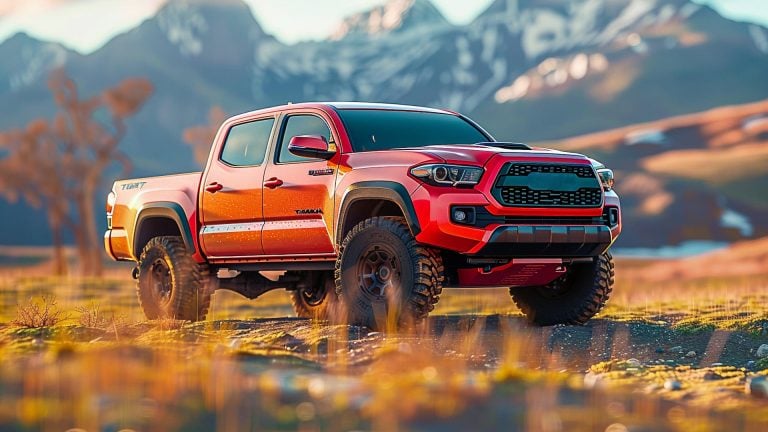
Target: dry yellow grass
[(38, 313), (478, 366)]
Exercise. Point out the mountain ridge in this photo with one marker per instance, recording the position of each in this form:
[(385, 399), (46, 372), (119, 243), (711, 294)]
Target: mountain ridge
[(390, 17)]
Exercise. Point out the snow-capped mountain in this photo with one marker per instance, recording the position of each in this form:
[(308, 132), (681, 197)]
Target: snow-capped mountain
[(392, 17), (526, 69), (33, 59)]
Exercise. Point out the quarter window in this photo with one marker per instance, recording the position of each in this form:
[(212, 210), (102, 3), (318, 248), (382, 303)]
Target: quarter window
[(303, 124), (246, 143)]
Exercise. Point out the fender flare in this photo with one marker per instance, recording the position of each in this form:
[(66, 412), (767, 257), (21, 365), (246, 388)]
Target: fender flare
[(165, 210), (382, 190)]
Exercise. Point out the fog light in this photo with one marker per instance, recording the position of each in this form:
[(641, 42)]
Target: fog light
[(463, 215), (613, 216)]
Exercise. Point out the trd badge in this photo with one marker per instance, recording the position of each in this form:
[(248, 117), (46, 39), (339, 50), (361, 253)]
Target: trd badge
[(321, 172)]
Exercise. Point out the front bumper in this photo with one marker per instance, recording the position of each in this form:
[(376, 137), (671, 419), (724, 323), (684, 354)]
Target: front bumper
[(547, 241), (514, 232)]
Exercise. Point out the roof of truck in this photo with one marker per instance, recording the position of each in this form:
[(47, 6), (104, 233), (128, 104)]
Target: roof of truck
[(383, 106), (338, 106)]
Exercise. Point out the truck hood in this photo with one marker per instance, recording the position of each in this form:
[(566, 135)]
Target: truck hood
[(480, 154)]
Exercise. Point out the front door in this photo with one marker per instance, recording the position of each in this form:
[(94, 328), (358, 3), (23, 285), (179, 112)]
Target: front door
[(298, 193), (232, 192)]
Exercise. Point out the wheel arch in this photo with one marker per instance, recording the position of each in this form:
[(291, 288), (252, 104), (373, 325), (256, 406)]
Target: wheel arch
[(374, 198), (158, 219)]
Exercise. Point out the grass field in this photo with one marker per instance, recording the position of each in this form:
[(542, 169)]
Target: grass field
[(673, 351)]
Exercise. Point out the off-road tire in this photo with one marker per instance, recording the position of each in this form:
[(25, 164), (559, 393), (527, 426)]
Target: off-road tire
[(573, 298), (184, 293), (416, 276), (320, 304)]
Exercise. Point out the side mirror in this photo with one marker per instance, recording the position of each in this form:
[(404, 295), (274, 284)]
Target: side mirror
[(310, 146)]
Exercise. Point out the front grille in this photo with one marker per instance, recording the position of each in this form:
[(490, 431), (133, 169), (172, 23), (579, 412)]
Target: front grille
[(548, 185), (525, 196)]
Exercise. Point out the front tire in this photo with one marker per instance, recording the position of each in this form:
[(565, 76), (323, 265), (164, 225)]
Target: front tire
[(573, 298), (170, 283), (384, 278)]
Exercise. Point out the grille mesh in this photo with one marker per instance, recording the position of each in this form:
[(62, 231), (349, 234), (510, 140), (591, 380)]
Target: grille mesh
[(520, 195), (526, 196)]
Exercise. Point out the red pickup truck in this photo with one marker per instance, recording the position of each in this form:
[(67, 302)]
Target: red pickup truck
[(367, 211)]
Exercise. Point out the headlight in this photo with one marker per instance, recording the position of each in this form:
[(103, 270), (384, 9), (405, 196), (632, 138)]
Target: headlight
[(606, 178), (447, 175), (604, 174)]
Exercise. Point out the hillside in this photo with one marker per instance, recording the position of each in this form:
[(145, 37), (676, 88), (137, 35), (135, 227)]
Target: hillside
[(741, 260), (692, 177)]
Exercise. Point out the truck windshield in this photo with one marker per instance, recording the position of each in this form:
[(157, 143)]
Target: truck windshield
[(371, 130)]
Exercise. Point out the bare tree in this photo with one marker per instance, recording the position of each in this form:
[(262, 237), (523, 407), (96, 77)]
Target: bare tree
[(200, 137), (25, 174), (60, 165)]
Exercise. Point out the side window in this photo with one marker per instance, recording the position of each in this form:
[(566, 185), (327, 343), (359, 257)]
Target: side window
[(246, 143), (302, 124)]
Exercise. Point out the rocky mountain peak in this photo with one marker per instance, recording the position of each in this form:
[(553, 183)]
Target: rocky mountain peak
[(33, 59), (548, 26), (395, 16), (191, 24)]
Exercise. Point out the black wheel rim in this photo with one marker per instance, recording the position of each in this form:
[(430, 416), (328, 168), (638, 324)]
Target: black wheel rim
[(556, 288), (160, 280), (314, 295), (378, 269)]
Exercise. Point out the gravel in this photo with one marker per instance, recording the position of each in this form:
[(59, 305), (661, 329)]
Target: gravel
[(762, 351), (756, 386), (672, 385)]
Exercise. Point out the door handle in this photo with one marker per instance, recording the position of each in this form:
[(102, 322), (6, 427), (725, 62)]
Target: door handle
[(214, 187), (273, 183)]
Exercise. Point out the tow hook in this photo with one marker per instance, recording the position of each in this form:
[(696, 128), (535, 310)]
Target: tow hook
[(135, 273), (561, 269)]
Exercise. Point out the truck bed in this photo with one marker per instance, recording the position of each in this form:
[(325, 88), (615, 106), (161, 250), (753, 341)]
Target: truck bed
[(177, 193)]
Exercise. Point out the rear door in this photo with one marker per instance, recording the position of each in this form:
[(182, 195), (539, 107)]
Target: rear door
[(298, 193), (231, 196)]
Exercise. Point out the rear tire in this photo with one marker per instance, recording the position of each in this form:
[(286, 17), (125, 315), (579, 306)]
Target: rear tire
[(574, 298), (384, 278), (170, 283), (318, 300)]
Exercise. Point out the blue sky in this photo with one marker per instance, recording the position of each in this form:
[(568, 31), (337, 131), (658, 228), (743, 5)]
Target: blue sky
[(85, 25)]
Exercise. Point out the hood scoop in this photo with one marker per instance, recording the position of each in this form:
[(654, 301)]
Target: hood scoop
[(505, 145)]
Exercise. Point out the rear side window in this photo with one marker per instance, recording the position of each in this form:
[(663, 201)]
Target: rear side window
[(302, 124), (246, 143)]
